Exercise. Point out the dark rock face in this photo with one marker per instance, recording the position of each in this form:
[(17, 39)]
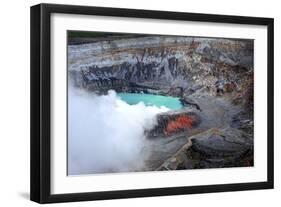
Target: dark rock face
[(212, 149), (174, 122), (171, 65)]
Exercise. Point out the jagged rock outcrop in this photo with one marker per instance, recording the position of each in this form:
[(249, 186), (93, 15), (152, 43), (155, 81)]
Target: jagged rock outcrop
[(160, 62), (213, 148)]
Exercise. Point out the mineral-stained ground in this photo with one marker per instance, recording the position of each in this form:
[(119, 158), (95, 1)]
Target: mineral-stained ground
[(213, 77)]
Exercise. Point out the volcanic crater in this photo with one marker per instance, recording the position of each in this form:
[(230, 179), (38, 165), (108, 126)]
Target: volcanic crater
[(212, 78)]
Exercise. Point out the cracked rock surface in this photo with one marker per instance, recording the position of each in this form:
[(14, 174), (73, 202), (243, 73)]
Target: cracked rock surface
[(226, 147)]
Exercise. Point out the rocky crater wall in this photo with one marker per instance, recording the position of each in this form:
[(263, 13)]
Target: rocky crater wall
[(159, 63)]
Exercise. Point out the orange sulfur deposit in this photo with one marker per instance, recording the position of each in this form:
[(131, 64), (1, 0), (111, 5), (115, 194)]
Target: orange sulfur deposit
[(180, 123)]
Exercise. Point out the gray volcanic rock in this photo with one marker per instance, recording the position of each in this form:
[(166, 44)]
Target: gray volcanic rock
[(213, 148), (160, 62), (221, 143)]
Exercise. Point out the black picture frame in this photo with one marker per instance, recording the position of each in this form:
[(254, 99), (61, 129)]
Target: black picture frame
[(41, 102)]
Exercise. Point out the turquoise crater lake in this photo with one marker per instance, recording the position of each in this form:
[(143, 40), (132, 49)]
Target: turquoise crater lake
[(151, 100)]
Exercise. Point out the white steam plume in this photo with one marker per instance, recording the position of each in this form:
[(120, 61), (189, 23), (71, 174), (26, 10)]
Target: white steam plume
[(105, 134)]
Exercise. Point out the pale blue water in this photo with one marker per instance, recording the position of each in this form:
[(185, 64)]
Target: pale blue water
[(151, 100)]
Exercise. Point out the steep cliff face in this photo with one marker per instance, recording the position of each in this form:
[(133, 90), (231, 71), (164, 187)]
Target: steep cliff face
[(159, 63)]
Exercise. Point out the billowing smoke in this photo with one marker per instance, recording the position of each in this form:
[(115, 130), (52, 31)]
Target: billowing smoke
[(105, 134)]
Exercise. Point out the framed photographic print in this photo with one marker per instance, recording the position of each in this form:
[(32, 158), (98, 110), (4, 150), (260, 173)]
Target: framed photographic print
[(132, 103)]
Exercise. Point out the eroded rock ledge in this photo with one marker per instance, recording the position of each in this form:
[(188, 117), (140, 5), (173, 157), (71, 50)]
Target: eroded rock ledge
[(227, 147), (159, 62)]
